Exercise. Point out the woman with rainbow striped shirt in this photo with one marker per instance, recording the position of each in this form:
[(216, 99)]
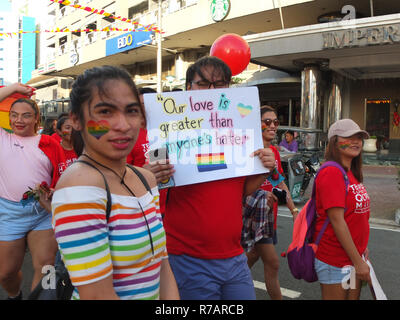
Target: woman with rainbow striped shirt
[(122, 256)]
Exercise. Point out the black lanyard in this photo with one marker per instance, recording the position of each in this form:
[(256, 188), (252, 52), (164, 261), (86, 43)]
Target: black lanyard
[(131, 192)]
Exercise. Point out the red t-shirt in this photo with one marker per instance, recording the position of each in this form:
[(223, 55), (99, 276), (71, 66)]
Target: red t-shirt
[(56, 136), (70, 156), (330, 193), (204, 220), (139, 156), (267, 186), (139, 153)]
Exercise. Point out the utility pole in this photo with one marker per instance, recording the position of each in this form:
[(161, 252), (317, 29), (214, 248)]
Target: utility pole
[(280, 14), (371, 4), (159, 56)]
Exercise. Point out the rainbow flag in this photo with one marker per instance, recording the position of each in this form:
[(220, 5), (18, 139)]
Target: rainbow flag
[(210, 161), (5, 105)]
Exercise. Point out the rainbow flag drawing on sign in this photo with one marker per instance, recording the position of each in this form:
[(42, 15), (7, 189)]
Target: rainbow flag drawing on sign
[(210, 161)]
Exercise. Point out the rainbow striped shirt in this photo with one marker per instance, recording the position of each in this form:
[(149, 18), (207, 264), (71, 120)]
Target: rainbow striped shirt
[(93, 249)]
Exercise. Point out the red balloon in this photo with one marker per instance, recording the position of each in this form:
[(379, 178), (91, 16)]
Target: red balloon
[(233, 50)]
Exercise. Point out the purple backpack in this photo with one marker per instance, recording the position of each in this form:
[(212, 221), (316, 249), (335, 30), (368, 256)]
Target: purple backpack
[(302, 250)]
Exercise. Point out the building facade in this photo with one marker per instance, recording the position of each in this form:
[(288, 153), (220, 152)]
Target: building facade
[(8, 49), (17, 52), (347, 65), (314, 60)]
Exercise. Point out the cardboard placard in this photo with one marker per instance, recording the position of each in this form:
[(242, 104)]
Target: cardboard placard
[(210, 134)]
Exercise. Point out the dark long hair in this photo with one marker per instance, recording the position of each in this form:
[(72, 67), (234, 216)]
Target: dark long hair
[(61, 121), (82, 91), (332, 153)]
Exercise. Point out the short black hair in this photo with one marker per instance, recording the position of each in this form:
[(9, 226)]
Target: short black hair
[(266, 108), (146, 90), (218, 65)]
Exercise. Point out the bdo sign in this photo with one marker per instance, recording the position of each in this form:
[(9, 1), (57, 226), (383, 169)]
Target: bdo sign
[(128, 41), (125, 41)]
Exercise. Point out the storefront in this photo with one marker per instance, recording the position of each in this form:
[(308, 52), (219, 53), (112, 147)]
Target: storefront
[(347, 69)]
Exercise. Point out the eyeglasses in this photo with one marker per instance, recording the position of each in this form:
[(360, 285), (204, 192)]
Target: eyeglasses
[(205, 84), (24, 116), (269, 121)]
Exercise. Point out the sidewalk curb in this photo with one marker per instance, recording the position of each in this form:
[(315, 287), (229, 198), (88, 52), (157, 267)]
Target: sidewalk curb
[(373, 221), (384, 222), (397, 216)]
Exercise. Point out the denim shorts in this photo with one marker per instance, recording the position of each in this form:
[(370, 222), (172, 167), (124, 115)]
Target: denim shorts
[(214, 279), (269, 240), (328, 274), (17, 220)]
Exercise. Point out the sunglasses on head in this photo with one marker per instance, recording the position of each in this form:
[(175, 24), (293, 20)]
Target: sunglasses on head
[(269, 121)]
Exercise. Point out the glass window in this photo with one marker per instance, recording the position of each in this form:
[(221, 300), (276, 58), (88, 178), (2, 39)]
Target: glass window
[(378, 118), (288, 111)]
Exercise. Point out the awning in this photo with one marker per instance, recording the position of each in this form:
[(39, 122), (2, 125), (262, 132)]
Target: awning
[(270, 76), (41, 80), (366, 48)]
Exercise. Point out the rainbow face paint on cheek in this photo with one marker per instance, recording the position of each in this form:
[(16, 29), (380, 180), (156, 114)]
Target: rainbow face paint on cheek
[(344, 144), (263, 127), (98, 128)]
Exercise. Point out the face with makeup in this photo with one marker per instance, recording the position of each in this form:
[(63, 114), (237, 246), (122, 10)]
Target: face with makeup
[(269, 125), (350, 147), (23, 119), (66, 129), (111, 120)]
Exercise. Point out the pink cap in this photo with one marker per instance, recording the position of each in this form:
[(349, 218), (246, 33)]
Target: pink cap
[(346, 128)]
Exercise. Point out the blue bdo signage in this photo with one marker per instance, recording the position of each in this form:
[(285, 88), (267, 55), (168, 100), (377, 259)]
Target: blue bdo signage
[(128, 41)]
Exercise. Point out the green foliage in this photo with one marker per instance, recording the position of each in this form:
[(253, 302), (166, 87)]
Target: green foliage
[(236, 80)]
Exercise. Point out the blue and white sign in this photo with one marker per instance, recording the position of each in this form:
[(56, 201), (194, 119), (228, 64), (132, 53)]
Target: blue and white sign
[(128, 41)]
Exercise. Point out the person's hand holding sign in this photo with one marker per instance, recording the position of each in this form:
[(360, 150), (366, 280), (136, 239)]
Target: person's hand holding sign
[(161, 169), (267, 158)]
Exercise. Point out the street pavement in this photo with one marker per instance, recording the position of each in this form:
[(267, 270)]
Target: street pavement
[(384, 244), (384, 247), (382, 188), (381, 184)]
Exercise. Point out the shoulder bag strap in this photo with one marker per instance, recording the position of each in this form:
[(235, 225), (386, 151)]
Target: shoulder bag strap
[(346, 182), (109, 203), (141, 177)]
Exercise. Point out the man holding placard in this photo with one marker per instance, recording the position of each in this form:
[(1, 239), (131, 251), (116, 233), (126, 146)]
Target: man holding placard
[(203, 221)]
